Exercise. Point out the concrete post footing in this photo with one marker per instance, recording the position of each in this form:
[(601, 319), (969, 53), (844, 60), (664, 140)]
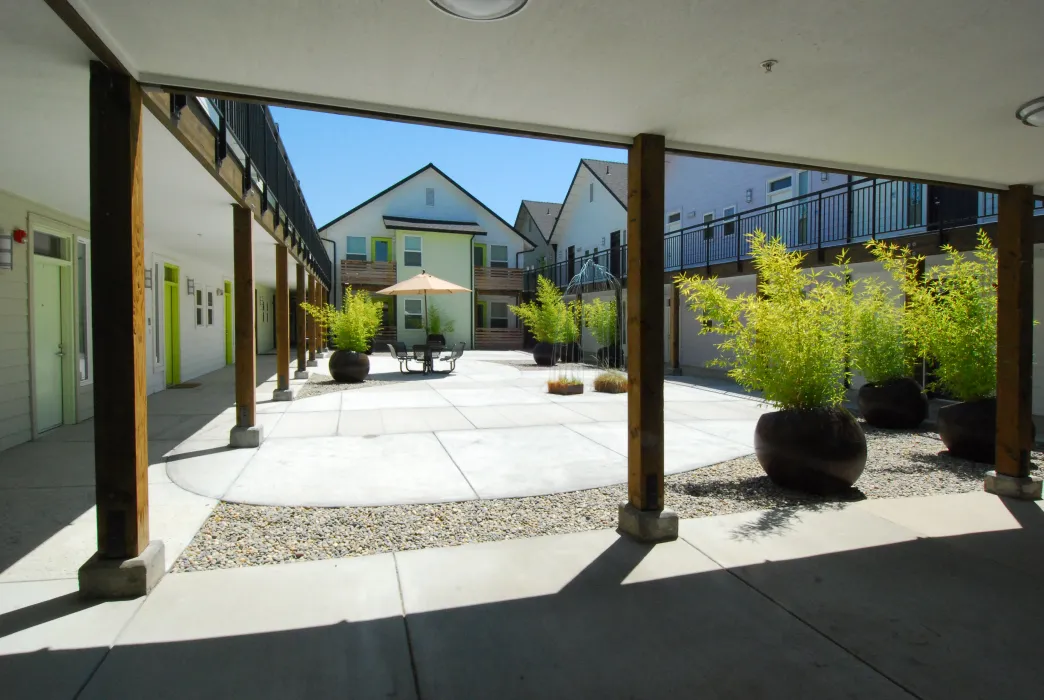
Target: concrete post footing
[(311, 363), (250, 436), (283, 394), (648, 525), (301, 374), (1024, 488), (122, 578)]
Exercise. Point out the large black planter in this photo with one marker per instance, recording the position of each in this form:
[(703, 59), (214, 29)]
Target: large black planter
[(610, 356), (969, 429), (544, 354), (570, 352), (349, 366), (820, 451), (900, 404)]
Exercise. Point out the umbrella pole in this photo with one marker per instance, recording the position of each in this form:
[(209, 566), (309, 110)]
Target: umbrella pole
[(425, 316)]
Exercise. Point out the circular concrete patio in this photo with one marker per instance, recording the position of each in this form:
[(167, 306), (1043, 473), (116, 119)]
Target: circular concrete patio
[(489, 430)]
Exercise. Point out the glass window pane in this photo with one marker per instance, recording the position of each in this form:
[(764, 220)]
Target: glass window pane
[(83, 309), (708, 217), (413, 306), (356, 248), (498, 253), (411, 259), (780, 184), (47, 245), (413, 243)]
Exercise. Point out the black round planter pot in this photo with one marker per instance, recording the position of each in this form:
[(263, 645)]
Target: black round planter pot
[(570, 352), (820, 451), (898, 404), (610, 356), (349, 366), (544, 354), (969, 429)]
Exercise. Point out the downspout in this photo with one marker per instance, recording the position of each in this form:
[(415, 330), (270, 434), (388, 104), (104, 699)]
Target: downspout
[(474, 292)]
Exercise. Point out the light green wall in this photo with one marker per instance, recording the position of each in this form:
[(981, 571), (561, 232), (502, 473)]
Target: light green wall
[(444, 255)]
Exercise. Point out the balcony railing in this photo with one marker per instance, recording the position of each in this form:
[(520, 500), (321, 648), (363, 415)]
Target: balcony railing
[(364, 273), (498, 338), (849, 213), (498, 279), (247, 133)]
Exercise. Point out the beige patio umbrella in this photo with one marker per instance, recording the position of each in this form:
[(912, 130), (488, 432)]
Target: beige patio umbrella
[(423, 284)]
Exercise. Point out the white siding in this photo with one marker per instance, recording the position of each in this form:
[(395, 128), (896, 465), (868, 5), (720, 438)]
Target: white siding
[(586, 224)]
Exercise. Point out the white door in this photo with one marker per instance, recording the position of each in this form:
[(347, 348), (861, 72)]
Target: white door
[(47, 345)]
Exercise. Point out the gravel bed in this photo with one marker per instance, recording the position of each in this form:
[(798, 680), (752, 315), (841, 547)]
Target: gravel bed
[(900, 464), (319, 384)]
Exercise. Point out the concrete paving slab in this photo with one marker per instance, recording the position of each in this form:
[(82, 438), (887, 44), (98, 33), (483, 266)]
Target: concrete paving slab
[(521, 415), (576, 615), (718, 410), (306, 425), (361, 422), (684, 448), (48, 533), (51, 641), (315, 630), (740, 430), (422, 398), (486, 396), (933, 615), (323, 402), (510, 462), (210, 472), (270, 406), (47, 464), (351, 471), (423, 420)]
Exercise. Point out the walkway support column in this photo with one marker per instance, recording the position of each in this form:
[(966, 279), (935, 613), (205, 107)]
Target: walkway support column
[(1014, 347), (675, 331), (126, 564), (246, 432), (302, 325), (643, 515), (313, 326), (282, 391), (320, 342)]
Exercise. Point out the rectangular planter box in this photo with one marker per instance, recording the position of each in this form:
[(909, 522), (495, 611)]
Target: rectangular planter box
[(567, 390), (613, 389)]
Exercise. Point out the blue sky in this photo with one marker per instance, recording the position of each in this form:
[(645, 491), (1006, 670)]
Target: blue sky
[(342, 161)]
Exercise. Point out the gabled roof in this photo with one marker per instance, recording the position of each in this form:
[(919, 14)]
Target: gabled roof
[(434, 225), (611, 174), (429, 166), (543, 215)]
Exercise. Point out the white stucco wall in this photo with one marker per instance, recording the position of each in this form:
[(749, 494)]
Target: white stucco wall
[(697, 350)]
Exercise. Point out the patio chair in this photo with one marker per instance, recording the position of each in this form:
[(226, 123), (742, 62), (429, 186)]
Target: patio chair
[(422, 354), (451, 358), (398, 352)]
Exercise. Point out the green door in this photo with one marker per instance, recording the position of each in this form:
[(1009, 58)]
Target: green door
[(381, 250), (228, 324), (47, 348), (172, 324)]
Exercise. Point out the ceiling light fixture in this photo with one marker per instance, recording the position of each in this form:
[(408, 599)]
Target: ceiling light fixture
[(1032, 113), (480, 10)]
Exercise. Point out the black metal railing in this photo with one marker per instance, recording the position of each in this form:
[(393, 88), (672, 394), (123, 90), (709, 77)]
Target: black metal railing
[(247, 133), (849, 213)]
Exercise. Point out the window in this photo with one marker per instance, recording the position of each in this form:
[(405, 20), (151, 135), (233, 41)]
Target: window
[(708, 232), (411, 255), (591, 192), (199, 307), (429, 196), (730, 226), (782, 183), (47, 245), (478, 255), (414, 314), (210, 306), (673, 221), (355, 249), (83, 302), (498, 314), (498, 256)]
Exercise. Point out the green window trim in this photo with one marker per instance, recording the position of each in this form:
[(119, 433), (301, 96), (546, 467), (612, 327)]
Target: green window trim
[(373, 248)]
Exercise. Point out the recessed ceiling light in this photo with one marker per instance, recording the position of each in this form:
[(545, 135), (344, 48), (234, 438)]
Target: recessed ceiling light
[(480, 10), (1032, 113)]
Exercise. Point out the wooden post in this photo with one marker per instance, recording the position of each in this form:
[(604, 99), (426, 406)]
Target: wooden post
[(675, 329), (302, 325), (313, 298), (121, 452), (246, 433), (282, 390), (1014, 345), (643, 516)]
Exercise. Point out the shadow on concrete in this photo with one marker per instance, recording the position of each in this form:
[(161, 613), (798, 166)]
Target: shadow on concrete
[(946, 618)]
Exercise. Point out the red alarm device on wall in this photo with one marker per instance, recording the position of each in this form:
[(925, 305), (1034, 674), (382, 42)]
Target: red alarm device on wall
[(19, 235)]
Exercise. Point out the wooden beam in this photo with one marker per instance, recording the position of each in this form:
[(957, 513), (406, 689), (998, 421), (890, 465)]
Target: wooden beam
[(302, 321), (645, 181), (675, 330), (121, 450), (246, 348), (1014, 330), (282, 322)]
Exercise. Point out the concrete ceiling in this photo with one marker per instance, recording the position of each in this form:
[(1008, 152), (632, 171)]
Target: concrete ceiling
[(925, 89)]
